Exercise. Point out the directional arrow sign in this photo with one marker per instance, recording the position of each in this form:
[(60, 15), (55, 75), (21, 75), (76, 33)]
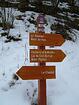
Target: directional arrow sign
[(45, 39), (36, 72), (38, 55)]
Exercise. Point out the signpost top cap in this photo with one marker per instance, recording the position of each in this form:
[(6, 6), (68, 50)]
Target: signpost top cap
[(41, 18)]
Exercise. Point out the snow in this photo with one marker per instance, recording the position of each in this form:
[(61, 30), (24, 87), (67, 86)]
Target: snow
[(13, 55), (63, 5), (65, 87)]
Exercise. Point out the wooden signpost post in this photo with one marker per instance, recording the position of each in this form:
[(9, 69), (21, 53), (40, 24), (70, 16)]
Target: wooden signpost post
[(42, 55)]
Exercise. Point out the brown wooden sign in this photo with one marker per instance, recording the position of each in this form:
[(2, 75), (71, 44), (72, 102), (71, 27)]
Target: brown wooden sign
[(36, 72), (46, 39), (38, 55)]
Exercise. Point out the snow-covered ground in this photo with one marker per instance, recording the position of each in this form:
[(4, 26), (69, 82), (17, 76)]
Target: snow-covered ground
[(13, 55)]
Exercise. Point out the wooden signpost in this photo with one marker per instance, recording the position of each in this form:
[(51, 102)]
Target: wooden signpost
[(42, 55)]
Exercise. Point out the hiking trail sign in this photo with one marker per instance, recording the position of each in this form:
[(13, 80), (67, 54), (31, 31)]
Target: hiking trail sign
[(46, 39), (41, 56), (36, 72)]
